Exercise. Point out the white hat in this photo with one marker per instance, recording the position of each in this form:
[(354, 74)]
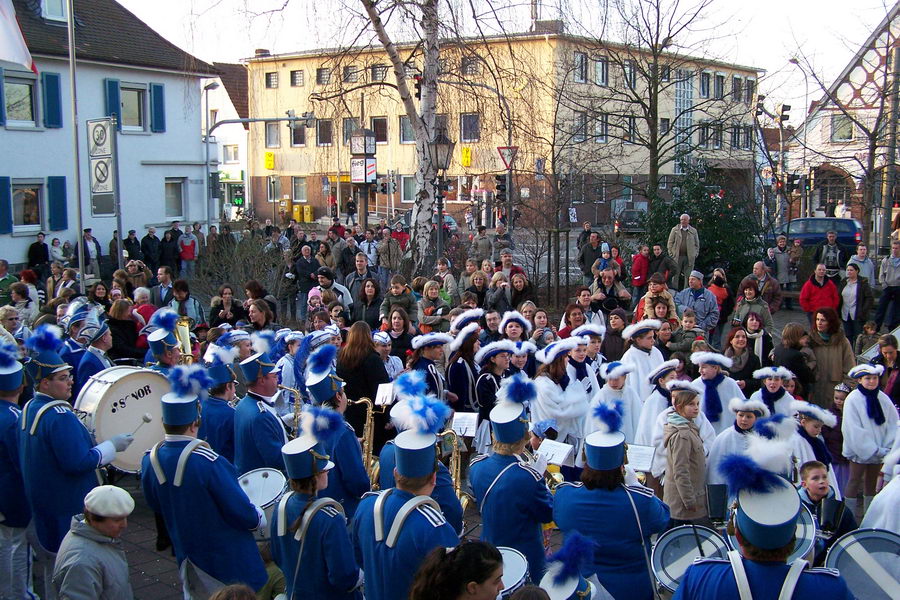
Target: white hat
[(109, 501), (862, 370), (640, 327), (514, 316), (430, 339), (614, 369), (552, 350), (739, 404), (811, 411), (767, 372), (590, 329), (687, 386), (663, 369), (711, 358), (461, 337)]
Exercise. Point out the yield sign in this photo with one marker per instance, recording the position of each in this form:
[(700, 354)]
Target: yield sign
[(507, 154)]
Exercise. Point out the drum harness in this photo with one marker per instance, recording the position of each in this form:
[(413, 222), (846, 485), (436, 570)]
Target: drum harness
[(743, 585), (400, 518), (646, 554), (37, 418), (182, 460)]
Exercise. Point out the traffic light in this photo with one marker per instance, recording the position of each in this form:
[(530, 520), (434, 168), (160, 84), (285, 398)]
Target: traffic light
[(418, 84), (499, 188), (793, 182), (292, 115), (785, 110), (381, 185), (760, 108), (392, 185), (779, 184)]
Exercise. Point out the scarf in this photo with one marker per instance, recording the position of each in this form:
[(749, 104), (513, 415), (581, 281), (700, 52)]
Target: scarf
[(563, 382), (757, 339), (663, 392), (818, 446), (675, 419), (581, 368), (873, 406), (739, 361), (713, 404), (770, 399), (739, 430)]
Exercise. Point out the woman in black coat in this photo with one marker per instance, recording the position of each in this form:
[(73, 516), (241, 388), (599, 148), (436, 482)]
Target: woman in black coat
[(788, 355), (367, 304), (124, 331), (224, 308), (398, 329), (168, 252), (361, 367)]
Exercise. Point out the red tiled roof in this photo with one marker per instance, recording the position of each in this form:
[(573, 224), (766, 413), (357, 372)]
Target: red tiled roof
[(234, 78)]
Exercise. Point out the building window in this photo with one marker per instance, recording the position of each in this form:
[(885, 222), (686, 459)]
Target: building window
[(134, 110), (408, 188), (736, 137), (380, 127), (26, 201), (272, 79), (53, 9), (323, 75), (298, 136), (407, 135), (273, 188), (664, 126), (580, 67), (213, 117), (601, 71), (631, 129), (579, 134), (627, 190), (324, 132), (273, 135), (441, 123), (231, 153), (470, 65), (601, 129), (349, 126), (841, 128), (21, 101), (630, 69), (350, 74), (410, 70), (720, 87), (298, 187), (748, 137), (718, 136), (704, 85), (749, 91), (663, 182), (379, 72), (175, 197), (297, 79), (665, 73), (470, 127), (737, 89), (703, 141)]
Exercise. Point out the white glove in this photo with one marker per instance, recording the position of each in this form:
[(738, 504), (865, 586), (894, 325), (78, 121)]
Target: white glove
[(539, 463), (631, 476), (122, 441), (263, 523), (288, 419), (289, 275)]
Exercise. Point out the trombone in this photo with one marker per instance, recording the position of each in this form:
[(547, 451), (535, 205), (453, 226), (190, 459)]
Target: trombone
[(451, 437)]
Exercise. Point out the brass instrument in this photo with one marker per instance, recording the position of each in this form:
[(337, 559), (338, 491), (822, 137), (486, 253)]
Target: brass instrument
[(183, 335), (298, 404), (369, 462), (452, 438), (552, 479)]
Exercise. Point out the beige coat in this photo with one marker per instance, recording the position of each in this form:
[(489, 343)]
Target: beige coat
[(685, 489), (833, 360), (674, 243), (389, 254)]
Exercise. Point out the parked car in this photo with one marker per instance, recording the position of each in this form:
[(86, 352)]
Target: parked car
[(812, 230), (629, 221), (450, 224)]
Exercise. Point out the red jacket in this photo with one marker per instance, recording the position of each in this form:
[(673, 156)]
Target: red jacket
[(814, 296), (640, 265)]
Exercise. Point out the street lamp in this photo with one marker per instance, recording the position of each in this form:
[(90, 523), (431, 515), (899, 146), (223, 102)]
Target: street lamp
[(212, 85), (440, 152)]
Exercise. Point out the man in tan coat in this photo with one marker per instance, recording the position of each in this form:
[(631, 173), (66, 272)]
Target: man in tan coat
[(683, 247), (389, 257)]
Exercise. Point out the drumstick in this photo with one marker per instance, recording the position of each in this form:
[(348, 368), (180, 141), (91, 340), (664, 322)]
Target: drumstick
[(146, 418)]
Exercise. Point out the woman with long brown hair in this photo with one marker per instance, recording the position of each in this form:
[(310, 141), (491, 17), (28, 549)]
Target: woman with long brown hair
[(362, 369), (834, 355), (260, 315)]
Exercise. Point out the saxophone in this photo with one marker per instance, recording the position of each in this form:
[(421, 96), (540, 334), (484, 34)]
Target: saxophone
[(297, 406), (183, 335), (368, 439), (452, 438)]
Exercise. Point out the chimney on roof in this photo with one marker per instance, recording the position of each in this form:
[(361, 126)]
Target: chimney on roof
[(262, 52), (554, 26)]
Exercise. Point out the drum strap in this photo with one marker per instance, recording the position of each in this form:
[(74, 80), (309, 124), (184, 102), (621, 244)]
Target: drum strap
[(493, 483), (637, 518), (40, 414), (404, 512), (282, 510), (793, 576), (154, 462), (300, 536), (183, 458), (740, 575), (379, 514)]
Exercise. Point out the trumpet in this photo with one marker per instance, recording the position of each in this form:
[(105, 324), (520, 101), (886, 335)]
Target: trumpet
[(452, 438), (369, 462), (297, 406), (183, 335)]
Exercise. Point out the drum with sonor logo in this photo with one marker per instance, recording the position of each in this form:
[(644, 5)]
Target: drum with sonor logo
[(515, 571), (869, 561), (264, 487), (115, 401), (806, 537), (676, 549)]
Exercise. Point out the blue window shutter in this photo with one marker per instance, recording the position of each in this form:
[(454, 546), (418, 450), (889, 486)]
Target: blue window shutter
[(2, 101), (52, 97), (113, 100), (56, 200), (6, 221), (157, 108)]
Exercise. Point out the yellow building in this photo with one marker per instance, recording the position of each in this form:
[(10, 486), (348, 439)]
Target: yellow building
[(577, 110)]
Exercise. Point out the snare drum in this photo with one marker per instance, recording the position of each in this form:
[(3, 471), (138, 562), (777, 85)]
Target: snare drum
[(264, 487), (806, 537), (676, 549), (515, 571), (115, 401), (869, 561)]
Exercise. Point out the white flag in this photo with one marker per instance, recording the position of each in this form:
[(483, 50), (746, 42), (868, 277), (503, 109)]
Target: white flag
[(12, 44)]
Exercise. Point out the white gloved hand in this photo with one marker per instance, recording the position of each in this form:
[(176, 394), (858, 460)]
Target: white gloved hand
[(288, 419), (540, 463), (122, 441), (289, 275), (631, 476), (263, 523)]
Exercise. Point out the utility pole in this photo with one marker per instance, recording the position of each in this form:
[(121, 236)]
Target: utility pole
[(887, 197)]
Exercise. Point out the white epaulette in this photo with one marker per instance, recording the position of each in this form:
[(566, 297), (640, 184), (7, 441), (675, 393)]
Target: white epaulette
[(824, 571), (375, 493), (710, 559), (477, 458), (435, 517), (639, 489), (331, 511), (261, 406), (530, 470), (206, 452), (576, 484)]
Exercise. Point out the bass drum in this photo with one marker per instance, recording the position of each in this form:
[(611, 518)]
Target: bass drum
[(676, 549), (115, 401), (869, 561)]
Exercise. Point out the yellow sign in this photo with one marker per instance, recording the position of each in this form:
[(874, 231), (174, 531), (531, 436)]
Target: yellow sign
[(270, 160), (465, 158)]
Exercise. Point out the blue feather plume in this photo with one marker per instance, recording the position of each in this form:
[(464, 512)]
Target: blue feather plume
[(222, 354), (321, 423), (322, 359), (46, 338), (300, 359), (189, 380), (775, 427), (164, 318), (519, 389), (743, 473), (427, 414), (9, 355), (610, 414), (263, 341), (410, 384), (575, 551)]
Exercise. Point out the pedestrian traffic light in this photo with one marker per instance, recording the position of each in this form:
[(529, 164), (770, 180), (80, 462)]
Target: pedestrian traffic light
[(760, 108), (785, 110), (418, 84), (381, 185), (793, 182), (500, 188), (292, 115), (392, 185), (779, 184)]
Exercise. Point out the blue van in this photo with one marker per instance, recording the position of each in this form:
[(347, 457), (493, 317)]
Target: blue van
[(812, 230)]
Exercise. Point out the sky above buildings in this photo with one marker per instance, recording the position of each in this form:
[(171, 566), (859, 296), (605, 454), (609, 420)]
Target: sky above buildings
[(762, 33)]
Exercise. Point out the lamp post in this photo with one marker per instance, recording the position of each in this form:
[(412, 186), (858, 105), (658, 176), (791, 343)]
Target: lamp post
[(213, 85), (440, 152)]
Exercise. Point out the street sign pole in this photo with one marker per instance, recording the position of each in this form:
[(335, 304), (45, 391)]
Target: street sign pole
[(508, 155), (117, 197)]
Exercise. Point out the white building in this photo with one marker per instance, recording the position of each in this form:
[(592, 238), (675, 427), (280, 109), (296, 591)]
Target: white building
[(123, 68), (225, 99)]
